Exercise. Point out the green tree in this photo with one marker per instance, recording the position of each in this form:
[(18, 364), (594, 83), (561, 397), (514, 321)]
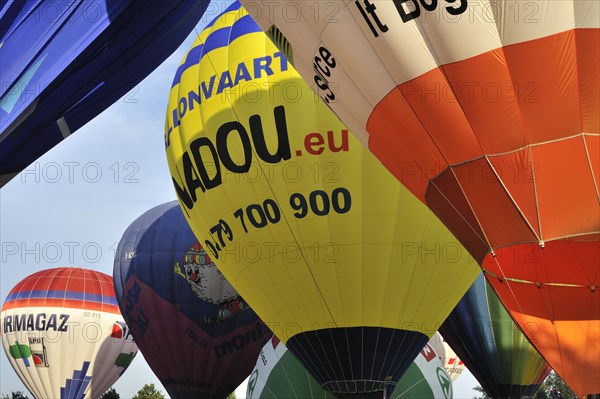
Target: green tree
[(111, 394), (149, 391), (232, 396), (554, 387), (15, 395), (483, 393)]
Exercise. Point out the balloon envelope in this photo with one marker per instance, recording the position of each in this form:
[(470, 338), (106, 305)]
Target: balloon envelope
[(452, 363), (489, 112), (63, 333), (482, 333), (64, 62), (278, 374), (337, 257), (197, 334)]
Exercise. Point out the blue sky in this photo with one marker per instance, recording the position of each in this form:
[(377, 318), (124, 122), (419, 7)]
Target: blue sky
[(72, 205)]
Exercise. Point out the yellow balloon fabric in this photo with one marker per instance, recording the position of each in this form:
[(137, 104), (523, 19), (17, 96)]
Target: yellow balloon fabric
[(315, 234)]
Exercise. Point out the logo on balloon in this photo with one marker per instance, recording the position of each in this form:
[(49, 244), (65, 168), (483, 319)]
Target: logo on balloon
[(124, 360), (252, 383), (38, 352), (121, 331), (445, 382), (428, 353), (39, 359), (201, 273), (20, 351)]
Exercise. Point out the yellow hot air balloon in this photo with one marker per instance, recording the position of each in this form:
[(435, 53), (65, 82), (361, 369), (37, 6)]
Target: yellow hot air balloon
[(350, 270)]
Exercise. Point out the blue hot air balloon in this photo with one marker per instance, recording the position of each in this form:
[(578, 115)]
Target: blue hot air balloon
[(492, 346), (64, 62), (198, 335)]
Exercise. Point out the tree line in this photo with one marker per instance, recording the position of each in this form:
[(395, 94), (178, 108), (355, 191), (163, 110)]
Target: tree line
[(148, 391)]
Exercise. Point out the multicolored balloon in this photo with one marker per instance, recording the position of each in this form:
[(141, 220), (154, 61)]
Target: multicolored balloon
[(500, 357), (347, 267), (64, 335), (278, 374), (196, 333), (64, 62), (489, 112)]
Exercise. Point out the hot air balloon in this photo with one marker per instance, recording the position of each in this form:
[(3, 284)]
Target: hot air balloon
[(278, 374), (488, 111), (64, 62), (349, 270), (500, 357), (63, 333), (450, 360), (197, 334)]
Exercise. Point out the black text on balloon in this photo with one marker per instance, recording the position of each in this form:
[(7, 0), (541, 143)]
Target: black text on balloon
[(239, 341), (259, 216), (413, 7), (368, 13), (323, 64), (203, 152), (35, 322), (320, 203)]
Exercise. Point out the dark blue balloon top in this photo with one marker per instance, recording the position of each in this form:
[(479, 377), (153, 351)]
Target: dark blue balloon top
[(64, 62)]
